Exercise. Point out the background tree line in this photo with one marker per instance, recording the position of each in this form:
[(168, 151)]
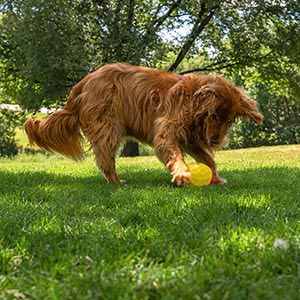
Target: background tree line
[(48, 46)]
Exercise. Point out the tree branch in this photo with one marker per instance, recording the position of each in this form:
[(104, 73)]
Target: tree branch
[(130, 14), (196, 31), (225, 63), (154, 26), (215, 66)]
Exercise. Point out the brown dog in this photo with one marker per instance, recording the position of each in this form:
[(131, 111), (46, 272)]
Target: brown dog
[(175, 114)]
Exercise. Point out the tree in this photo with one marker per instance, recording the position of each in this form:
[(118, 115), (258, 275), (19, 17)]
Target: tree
[(46, 47), (43, 51), (280, 105)]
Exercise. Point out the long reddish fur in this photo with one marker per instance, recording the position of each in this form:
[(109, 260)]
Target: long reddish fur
[(173, 113)]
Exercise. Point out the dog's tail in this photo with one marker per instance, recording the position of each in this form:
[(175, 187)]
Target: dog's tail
[(60, 132)]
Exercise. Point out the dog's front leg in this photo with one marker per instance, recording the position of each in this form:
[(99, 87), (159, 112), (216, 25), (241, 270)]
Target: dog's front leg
[(170, 154), (178, 169)]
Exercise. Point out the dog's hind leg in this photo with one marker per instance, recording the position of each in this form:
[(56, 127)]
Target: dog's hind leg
[(105, 159), (105, 138)]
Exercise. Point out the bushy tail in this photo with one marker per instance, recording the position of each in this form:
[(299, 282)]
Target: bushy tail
[(60, 132)]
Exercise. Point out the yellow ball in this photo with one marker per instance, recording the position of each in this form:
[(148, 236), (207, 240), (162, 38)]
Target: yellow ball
[(201, 174)]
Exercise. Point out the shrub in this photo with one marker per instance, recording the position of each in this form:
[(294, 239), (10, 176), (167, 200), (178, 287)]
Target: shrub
[(9, 120), (281, 124)]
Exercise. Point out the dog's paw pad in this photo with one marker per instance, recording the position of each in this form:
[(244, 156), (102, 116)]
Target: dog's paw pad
[(220, 181), (181, 178)]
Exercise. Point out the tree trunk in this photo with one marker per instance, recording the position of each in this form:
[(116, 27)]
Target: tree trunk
[(130, 149)]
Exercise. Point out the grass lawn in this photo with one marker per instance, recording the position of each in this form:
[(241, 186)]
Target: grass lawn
[(66, 234)]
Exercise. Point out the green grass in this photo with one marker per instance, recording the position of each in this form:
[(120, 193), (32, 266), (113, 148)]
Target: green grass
[(66, 234)]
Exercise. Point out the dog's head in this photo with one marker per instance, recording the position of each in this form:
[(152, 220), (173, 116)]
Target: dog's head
[(219, 103)]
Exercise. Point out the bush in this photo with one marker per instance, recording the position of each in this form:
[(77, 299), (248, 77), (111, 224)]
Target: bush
[(9, 120), (281, 124)]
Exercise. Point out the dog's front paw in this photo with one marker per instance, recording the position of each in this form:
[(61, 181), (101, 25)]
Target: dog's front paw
[(220, 181), (181, 177)]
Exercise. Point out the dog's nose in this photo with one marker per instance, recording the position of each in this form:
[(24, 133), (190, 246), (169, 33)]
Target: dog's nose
[(213, 142)]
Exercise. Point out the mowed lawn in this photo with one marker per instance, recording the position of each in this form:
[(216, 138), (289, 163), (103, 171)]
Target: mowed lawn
[(67, 234)]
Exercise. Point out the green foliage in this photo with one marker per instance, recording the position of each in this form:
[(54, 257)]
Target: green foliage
[(9, 120), (263, 34), (66, 234), (123, 30), (42, 51), (46, 47), (278, 100), (281, 124)]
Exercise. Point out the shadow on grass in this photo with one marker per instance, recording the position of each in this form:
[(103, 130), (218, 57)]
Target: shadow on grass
[(249, 189), (149, 187), (70, 225), (277, 180)]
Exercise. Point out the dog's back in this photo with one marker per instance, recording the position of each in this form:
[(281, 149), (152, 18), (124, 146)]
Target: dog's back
[(131, 95)]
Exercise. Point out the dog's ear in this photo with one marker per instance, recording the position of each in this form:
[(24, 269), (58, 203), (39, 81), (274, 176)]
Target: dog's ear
[(248, 108), (205, 99)]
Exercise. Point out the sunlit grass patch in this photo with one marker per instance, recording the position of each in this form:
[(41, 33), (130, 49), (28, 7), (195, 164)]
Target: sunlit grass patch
[(67, 234)]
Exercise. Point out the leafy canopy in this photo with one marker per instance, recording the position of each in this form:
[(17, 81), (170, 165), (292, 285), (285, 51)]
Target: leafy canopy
[(46, 47)]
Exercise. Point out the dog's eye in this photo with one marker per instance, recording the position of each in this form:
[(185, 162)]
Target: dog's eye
[(229, 122), (214, 117)]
